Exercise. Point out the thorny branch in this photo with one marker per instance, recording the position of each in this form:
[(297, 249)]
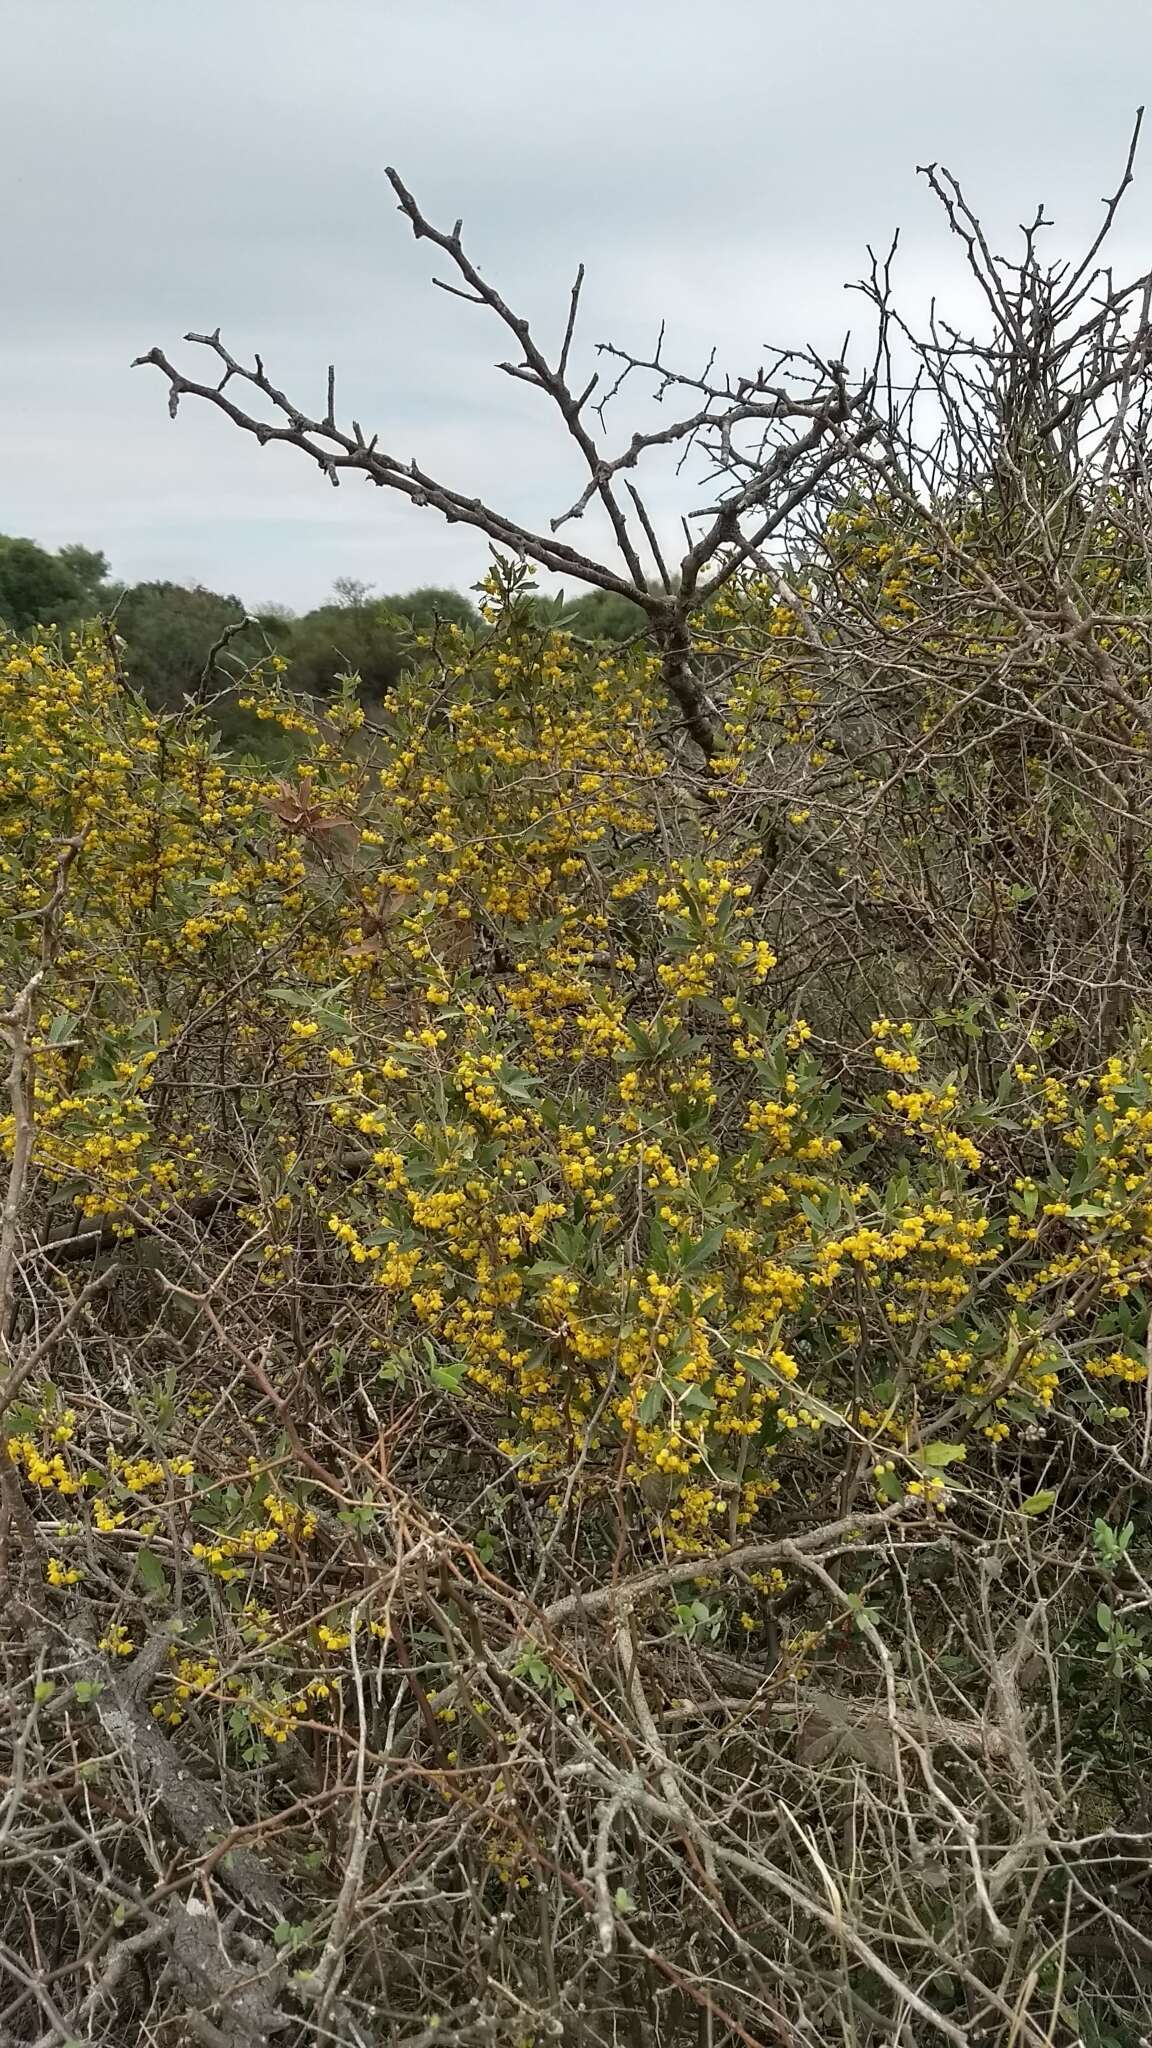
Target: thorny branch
[(773, 481), (550, 1804)]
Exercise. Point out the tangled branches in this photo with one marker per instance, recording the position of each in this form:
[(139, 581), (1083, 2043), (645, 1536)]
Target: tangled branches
[(575, 1392), (767, 485)]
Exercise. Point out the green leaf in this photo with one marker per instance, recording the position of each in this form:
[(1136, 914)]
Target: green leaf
[(150, 1572), (694, 1401), (693, 1256), (520, 1088), (1038, 1503), (940, 1454), (652, 1403), (759, 1369), (658, 1245), (623, 1900)]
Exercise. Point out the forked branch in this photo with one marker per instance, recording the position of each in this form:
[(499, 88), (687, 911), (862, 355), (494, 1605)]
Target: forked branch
[(797, 437)]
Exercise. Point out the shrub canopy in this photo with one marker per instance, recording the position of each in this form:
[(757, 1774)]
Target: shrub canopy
[(574, 1421)]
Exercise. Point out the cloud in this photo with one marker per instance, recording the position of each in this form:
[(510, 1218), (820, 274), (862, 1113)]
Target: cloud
[(168, 167)]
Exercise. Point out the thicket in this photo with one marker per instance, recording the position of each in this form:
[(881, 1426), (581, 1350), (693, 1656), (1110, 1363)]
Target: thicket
[(575, 1403), (178, 640)]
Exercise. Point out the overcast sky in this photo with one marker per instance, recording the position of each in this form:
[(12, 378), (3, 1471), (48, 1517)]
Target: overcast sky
[(174, 164)]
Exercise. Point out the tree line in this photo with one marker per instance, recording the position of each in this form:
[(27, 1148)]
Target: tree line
[(168, 629)]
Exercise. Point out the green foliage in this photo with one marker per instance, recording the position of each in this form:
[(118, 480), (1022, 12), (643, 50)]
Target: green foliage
[(602, 615), (1111, 1545), (456, 1088), (363, 639), (372, 638), (169, 631), (431, 606), (38, 588), (90, 568)]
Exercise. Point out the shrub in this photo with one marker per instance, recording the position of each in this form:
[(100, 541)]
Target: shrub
[(438, 1099), (575, 1431)]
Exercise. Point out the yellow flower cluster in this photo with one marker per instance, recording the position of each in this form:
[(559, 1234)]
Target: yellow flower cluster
[(474, 1040)]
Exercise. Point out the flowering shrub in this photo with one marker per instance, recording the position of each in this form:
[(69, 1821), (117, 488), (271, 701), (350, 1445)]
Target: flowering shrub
[(463, 1030), (448, 1131), (575, 1415)]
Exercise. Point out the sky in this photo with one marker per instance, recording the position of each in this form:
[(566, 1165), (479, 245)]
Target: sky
[(721, 165)]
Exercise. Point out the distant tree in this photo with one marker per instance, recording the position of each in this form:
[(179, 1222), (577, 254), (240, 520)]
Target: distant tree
[(90, 567), (596, 615), (362, 638), (169, 631), (429, 605), (372, 637), (36, 587), (603, 615), (351, 592)]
